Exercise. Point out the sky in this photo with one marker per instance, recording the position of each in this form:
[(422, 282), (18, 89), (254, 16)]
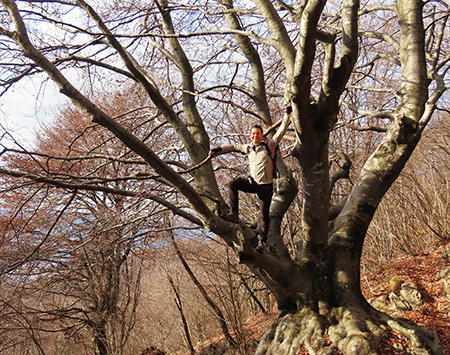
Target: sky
[(32, 100), (27, 105)]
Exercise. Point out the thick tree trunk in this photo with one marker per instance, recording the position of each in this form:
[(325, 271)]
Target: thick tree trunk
[(331, 312)]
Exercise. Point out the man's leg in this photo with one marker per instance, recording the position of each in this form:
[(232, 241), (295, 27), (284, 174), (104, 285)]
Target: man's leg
[(234, 186), (265, 193)]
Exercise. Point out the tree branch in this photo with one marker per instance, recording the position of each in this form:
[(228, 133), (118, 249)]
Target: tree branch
[(33, 178), (100, 116), (259, 89)]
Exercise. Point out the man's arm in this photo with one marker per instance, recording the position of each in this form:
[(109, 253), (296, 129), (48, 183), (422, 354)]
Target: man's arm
[(281, 131), (228, 148)]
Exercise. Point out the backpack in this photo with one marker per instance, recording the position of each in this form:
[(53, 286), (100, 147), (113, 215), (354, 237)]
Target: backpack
[(273, 158)]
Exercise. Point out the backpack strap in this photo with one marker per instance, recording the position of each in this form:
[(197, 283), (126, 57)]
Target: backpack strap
[(272, 156), (266, 148)]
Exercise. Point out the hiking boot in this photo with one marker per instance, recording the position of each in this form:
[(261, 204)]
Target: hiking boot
[(261, 246), (232, 217)]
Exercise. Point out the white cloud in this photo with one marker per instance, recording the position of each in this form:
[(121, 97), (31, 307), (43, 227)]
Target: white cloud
[(27, 105)]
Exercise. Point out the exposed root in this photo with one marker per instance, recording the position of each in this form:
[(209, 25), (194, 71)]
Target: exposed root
[(356, 333), (353, 332), (416, 336), (291, 332)]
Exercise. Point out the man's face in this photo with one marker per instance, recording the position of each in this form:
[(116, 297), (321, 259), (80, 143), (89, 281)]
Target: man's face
[(256, 135)]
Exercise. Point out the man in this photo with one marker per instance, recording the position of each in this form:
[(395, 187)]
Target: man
[(260, 181)]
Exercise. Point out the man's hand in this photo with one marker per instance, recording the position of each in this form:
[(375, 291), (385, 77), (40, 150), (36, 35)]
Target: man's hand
[(289, 108), (215, 150)]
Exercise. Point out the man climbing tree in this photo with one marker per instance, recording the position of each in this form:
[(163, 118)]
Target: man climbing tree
[(260, 153)]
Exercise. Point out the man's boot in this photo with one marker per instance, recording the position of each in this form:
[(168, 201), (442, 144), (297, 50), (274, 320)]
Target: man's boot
[(232, 217), (261, 244)]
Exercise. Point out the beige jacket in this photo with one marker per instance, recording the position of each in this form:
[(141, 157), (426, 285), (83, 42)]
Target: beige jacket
[(260, 163)]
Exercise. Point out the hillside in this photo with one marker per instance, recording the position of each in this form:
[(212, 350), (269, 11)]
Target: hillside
[(429, 271)]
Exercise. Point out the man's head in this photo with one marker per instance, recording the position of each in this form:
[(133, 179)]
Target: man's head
[(256, 134)]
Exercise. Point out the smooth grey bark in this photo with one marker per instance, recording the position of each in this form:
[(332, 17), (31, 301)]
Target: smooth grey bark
[(198, 150), (259, 86)]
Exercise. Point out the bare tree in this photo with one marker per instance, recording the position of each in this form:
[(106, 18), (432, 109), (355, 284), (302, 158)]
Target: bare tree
[(371, 66), (412, 216), (76, 245), (217, 311)]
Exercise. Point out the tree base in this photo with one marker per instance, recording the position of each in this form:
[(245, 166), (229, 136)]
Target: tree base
[(344, 331)]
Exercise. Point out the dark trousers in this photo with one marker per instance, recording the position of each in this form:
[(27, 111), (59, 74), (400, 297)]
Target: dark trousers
[(264, 193)]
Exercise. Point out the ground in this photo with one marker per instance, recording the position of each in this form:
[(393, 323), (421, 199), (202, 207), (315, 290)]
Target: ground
[(424, 270)]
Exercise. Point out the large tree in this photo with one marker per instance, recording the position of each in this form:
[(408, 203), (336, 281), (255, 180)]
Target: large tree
[(202, 65)]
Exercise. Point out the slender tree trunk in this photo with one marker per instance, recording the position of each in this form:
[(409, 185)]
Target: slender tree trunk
[(183, 317), (219, 315), (253, 296)]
